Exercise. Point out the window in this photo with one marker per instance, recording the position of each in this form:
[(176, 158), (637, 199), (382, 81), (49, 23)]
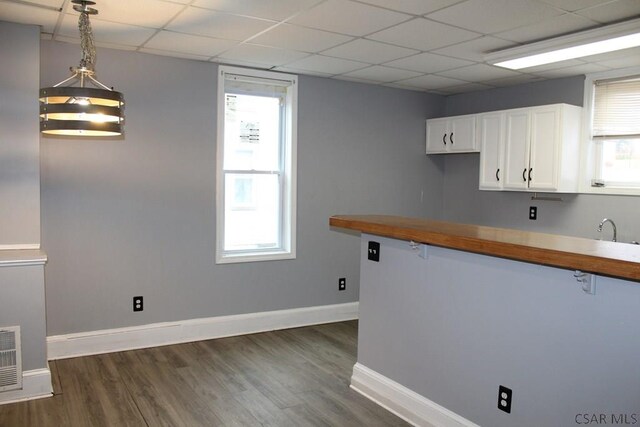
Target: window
[(612, 129), (256, 165)]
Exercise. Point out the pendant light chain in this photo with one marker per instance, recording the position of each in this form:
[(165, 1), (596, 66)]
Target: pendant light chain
[(88, 60)]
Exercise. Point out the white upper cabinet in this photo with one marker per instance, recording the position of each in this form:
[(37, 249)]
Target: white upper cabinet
[(530, 149), (452, 135), (517, 149), (491, 133)]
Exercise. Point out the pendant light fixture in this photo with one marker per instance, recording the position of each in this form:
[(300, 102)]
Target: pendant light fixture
[(80, 110)]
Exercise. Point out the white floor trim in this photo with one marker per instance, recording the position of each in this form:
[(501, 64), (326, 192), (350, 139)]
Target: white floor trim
[(157, 334), (405, 403), (36, 384)]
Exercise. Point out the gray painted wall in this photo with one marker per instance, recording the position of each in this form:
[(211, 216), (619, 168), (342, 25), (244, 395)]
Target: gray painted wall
[(576, 215), (457, 325), (137, 217), (19, 142), (23, 304)]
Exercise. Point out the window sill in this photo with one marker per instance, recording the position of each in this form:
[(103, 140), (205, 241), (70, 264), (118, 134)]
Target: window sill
[(254, 257), (611, 191)]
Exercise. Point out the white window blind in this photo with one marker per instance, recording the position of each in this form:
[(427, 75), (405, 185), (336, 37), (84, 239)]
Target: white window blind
[(616, 109)]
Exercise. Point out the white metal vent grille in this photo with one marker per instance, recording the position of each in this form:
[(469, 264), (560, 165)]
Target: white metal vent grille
[(10, 358)]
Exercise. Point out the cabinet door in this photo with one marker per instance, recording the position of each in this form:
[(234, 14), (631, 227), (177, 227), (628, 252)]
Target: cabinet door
[(545, 145), (517, 149), (437, 136), (491, 136), (462, 134)]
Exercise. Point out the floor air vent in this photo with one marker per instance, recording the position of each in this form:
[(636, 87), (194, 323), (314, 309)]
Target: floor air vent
[(10, 358)]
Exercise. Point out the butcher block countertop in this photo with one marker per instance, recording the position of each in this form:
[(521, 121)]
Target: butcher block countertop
[(594, 256)]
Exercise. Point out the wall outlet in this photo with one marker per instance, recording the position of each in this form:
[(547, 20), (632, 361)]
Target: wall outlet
[(533, 213), (138, 304), (342, 283), (374, 251), (504, 399)]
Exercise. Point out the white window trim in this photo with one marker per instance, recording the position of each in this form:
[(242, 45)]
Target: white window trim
[(587, 151), (290, 171)]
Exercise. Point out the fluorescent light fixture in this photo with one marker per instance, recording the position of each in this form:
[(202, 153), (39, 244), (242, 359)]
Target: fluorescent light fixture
[(592, 42)]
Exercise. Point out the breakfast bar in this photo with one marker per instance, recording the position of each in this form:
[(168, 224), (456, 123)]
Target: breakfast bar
[(449, 313)]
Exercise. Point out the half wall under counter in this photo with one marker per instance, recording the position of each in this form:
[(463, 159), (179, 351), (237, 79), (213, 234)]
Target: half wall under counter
[(443, 325), (22, 304)]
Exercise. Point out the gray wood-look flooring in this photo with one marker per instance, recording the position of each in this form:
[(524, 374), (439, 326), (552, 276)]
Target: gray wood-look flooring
[(295, 377)]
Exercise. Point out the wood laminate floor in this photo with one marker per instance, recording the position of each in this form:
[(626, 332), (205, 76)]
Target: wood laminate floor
[(295, 377)]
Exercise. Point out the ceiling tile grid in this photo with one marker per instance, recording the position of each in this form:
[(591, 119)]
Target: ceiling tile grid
[(427, 45)]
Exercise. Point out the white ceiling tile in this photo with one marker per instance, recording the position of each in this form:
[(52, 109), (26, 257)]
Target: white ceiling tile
[(49, 3), (381, 74), (415, 7), (97, 43), (262, 54), (204, 22), (175, 54), (612, 55), (423, 34), (610, 12), (572, 71), (475, 50), (573, 5), (480, 73), (348, 78), (618, 59), (326, 64), (198, 45), (106, 31), (23, 14), (629, 61), (269, 9), (298, 38), (143, 13), (240, 63), (299, 71), (492, 16), (428, 63), (516, 80), (431, 82), (469, 87), (413, 88), (369, 51), (347, 17), (552, 27)]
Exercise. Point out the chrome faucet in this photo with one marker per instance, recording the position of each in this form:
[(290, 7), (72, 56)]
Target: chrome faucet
[(613, 224)]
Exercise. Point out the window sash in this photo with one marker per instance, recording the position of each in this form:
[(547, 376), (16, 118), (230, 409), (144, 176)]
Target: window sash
[(284, 87)]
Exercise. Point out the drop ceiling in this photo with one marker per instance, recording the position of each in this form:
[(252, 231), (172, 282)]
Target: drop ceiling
[(428, 45)]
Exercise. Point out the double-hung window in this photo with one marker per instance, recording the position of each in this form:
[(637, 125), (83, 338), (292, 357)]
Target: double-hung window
[(256, 165), (612, 128)]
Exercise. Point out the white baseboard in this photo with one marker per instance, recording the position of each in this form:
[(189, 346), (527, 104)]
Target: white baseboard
[(405, 403), (36, 384), (157, 334)]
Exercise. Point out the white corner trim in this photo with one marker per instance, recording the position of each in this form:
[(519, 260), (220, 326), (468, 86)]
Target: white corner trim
[(157, 334), (36, 384), (405, 403)]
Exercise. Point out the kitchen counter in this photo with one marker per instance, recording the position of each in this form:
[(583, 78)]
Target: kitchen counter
[(600, 257), (446, 321)]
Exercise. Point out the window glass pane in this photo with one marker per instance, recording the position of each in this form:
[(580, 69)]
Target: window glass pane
[(621, 161), (252, 212), (252, 132)]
